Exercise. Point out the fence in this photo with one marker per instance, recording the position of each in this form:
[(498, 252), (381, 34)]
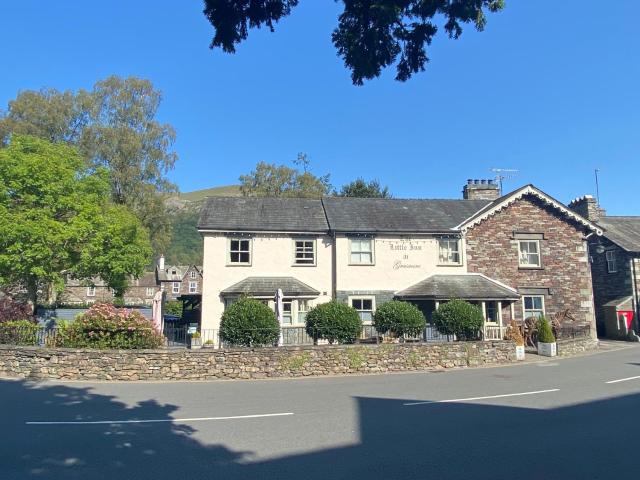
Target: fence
[(567, 331), (287, 336)]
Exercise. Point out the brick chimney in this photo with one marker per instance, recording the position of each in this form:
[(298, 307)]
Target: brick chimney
[(588, 207), (481, 190)]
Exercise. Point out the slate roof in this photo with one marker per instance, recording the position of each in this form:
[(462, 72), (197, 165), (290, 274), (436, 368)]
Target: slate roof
[(467, 286), (373, 215), (167, 276), (267, 286), (623, 231), (263, 214)]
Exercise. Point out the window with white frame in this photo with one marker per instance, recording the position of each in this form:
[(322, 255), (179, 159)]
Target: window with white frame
[(361, 251), (193, 274), (610, 255), (304, 252), (175, 287), (529, 253), (240, 251), (91, 291), (449, 249), (303, 309), (287, 311), (193, 287), (491, 312), (151, 291), (533, 306), (364, 306)]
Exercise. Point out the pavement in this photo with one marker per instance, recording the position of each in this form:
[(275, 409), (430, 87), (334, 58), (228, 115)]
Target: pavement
[(559, 418)]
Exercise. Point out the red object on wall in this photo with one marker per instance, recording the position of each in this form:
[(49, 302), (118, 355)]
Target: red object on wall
[(627, 315)]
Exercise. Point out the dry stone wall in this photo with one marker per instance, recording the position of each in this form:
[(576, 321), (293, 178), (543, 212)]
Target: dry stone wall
[(210, 364)]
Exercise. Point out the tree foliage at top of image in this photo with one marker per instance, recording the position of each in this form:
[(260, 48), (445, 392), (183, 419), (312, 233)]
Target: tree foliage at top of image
[(270, 180), (363, 189), (114, 126), (57, 219), (371, 34)]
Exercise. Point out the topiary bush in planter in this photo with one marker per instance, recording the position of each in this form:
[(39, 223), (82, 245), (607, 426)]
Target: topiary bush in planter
[(459, 318), (334, 321), (514, 334), (545, 337), (249, 322), (399, 318), (544, 331), (105, 326)]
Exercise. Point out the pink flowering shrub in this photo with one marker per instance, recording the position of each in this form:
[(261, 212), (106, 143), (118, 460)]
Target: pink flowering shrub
[(105, 326)]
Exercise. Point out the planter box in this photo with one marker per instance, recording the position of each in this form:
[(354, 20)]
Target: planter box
[(547, 349), (519, 352), (196, 343)]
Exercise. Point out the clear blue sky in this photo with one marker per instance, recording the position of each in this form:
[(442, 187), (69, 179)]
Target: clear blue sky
[(551, 88)]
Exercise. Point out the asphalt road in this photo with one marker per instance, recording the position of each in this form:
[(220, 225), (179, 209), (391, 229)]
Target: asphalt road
[(551, 420)]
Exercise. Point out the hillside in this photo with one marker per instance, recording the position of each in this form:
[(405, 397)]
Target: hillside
[(184, 210), (224, 191)]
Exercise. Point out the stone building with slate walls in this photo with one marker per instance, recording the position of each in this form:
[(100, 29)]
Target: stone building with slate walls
[(615, 260), (515, 255)]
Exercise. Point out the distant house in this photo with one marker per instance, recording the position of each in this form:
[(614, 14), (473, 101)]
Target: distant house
[(178, 280), (615, 267), (520, 255), (82, 292)]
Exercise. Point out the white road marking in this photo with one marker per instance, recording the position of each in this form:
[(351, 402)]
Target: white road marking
[(174, 420), (470, 399), (623, 379)]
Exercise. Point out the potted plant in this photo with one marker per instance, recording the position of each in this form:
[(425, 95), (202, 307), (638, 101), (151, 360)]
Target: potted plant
[(196, 341), (546, 340), (514, 334)]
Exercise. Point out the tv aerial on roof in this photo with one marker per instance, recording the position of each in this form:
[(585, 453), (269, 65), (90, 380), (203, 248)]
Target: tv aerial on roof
[(504, 174)]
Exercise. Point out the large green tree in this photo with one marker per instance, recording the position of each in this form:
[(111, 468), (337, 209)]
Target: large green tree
[(270, 180), (371, 34), (57, 219), (114, 126), (363, 189)]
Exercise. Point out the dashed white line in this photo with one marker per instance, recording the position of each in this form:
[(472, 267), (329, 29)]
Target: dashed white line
[(470, 399), (624, 379), (162, 420)]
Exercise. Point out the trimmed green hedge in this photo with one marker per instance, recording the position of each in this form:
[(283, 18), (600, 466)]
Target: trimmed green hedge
[(399, 318), (249, 322), (334, 321), (459, 318), (19, 332)]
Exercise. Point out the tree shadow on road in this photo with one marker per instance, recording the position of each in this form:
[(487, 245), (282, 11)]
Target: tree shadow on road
[(438, 440)]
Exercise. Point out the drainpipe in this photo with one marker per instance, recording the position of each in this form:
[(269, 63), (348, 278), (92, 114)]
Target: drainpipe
[(334, 269), (634, 291)]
